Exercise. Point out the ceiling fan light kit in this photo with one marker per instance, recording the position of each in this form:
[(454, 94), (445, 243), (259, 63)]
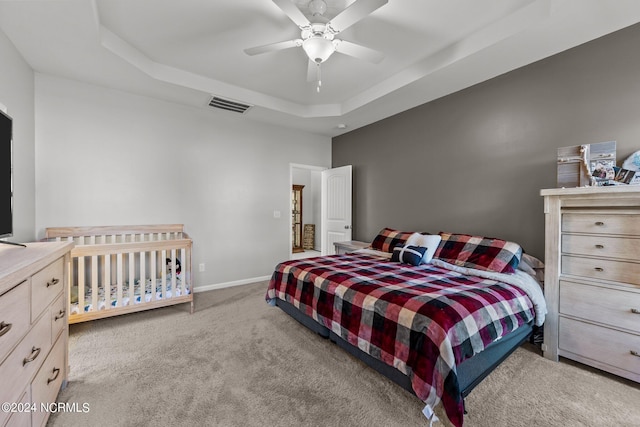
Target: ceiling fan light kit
[(318, 49), (317, 39)]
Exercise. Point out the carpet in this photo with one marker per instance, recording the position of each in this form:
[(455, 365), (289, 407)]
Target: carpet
[(239, 362)]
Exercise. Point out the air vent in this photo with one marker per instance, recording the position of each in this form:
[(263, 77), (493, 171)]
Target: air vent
[(227, 104)]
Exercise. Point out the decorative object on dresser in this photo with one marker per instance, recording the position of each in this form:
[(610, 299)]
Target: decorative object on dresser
[(592, 277), (349, 246), (577, 163), (123, 269), (632, 163), (33, 330)]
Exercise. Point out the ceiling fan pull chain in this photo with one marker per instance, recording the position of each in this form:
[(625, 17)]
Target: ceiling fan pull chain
[(319, 79)]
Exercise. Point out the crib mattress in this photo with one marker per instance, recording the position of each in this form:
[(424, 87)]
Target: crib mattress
[(139, 296)]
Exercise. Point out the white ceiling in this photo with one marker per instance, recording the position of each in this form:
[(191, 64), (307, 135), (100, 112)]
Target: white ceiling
[(187, 50)]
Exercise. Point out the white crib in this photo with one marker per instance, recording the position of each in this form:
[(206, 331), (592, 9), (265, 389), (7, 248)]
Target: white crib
[(124, 269)]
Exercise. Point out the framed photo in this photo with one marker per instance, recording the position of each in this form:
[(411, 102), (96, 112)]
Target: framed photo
[(624, 175), (603, 169)]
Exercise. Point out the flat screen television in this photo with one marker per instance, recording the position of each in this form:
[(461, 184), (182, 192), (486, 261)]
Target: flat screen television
[(6, 176)]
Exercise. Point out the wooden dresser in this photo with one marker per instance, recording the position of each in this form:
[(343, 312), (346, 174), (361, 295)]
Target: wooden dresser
[(592, 277), (33, 330)]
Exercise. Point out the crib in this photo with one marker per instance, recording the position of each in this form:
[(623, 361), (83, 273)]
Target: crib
[(124, 269)]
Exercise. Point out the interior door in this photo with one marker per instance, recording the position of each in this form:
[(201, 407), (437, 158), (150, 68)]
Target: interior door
[(336, 196)]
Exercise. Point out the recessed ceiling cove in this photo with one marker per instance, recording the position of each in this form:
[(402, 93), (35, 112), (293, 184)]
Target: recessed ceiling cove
[(382, 45), (377, 57)]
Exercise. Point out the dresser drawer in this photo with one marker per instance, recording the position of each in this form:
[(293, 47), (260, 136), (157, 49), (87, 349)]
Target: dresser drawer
[(47, 383), (58, 317), (617, 271), (601, 344), (14, 317), (46, 285), (621, 224), (16, 370), (603, 305), (610, 247), (20, 418)]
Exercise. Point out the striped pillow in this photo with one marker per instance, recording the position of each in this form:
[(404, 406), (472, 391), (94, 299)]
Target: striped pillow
[(408, 254), (388, 238), (482, 253)]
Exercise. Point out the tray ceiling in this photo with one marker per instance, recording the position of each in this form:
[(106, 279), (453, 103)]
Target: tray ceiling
[(190, 50)]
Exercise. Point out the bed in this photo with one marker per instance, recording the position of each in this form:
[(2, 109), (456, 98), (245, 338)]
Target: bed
[(123, 269), (433, 313)]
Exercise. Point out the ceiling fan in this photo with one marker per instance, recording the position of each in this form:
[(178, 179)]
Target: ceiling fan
[(318, 38)]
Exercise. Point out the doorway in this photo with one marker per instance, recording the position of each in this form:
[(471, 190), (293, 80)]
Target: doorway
[(306, 229)]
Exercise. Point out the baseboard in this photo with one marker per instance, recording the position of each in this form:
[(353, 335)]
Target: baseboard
[(229, 284)]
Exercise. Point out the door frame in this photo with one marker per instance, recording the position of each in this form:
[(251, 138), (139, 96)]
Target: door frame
[(311, 168)]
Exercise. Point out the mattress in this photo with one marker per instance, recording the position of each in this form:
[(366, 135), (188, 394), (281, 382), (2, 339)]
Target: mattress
[(139, 295)]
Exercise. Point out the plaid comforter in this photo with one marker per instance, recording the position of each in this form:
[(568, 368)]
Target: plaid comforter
[(422, 320)]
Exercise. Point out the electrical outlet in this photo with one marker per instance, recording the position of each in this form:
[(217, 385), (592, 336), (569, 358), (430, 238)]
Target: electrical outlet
[(276, 214), (201, 267)]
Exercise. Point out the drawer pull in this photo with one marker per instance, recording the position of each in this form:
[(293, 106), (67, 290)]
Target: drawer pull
[(59, 315), (56, 372), (4, 328), (599, 246), (599, 269), (34, 354), (635, 311), (599, 223), (53, 281), (634, 353)]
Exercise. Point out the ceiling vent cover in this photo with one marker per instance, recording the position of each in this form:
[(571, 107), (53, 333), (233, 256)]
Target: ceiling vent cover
[(229, 105)]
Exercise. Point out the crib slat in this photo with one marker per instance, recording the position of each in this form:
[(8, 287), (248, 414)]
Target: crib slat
[(154, 274), (106, 282), (94, 282), (183, 273), (81, 284), (143, 277), (119, 275), (132, 278), (174, 280), (164, 274)]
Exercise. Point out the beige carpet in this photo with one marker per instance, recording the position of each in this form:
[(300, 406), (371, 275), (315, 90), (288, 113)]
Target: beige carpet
[(239, 362)]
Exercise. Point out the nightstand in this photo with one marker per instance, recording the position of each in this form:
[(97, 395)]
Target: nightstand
[(349, 246)]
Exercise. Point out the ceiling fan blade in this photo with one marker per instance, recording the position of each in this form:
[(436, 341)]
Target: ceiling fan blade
[(358, 51), (358, 10), (273, 47), (292, 11)]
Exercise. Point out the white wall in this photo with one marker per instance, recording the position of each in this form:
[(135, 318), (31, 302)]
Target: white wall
[(16, 94), (105, 157)]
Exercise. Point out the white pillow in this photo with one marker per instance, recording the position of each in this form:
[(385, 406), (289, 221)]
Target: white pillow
[(429, 241)]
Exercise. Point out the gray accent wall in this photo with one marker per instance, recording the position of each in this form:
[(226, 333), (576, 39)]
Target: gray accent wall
[(475, 161)]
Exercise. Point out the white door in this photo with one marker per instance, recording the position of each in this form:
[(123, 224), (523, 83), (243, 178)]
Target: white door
[(336, 207)]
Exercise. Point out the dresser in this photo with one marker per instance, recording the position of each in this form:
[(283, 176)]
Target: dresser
[(592, 277), (349, 246), (33, 330)]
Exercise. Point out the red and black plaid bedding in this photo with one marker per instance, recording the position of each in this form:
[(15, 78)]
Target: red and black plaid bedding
[(423, 320)]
